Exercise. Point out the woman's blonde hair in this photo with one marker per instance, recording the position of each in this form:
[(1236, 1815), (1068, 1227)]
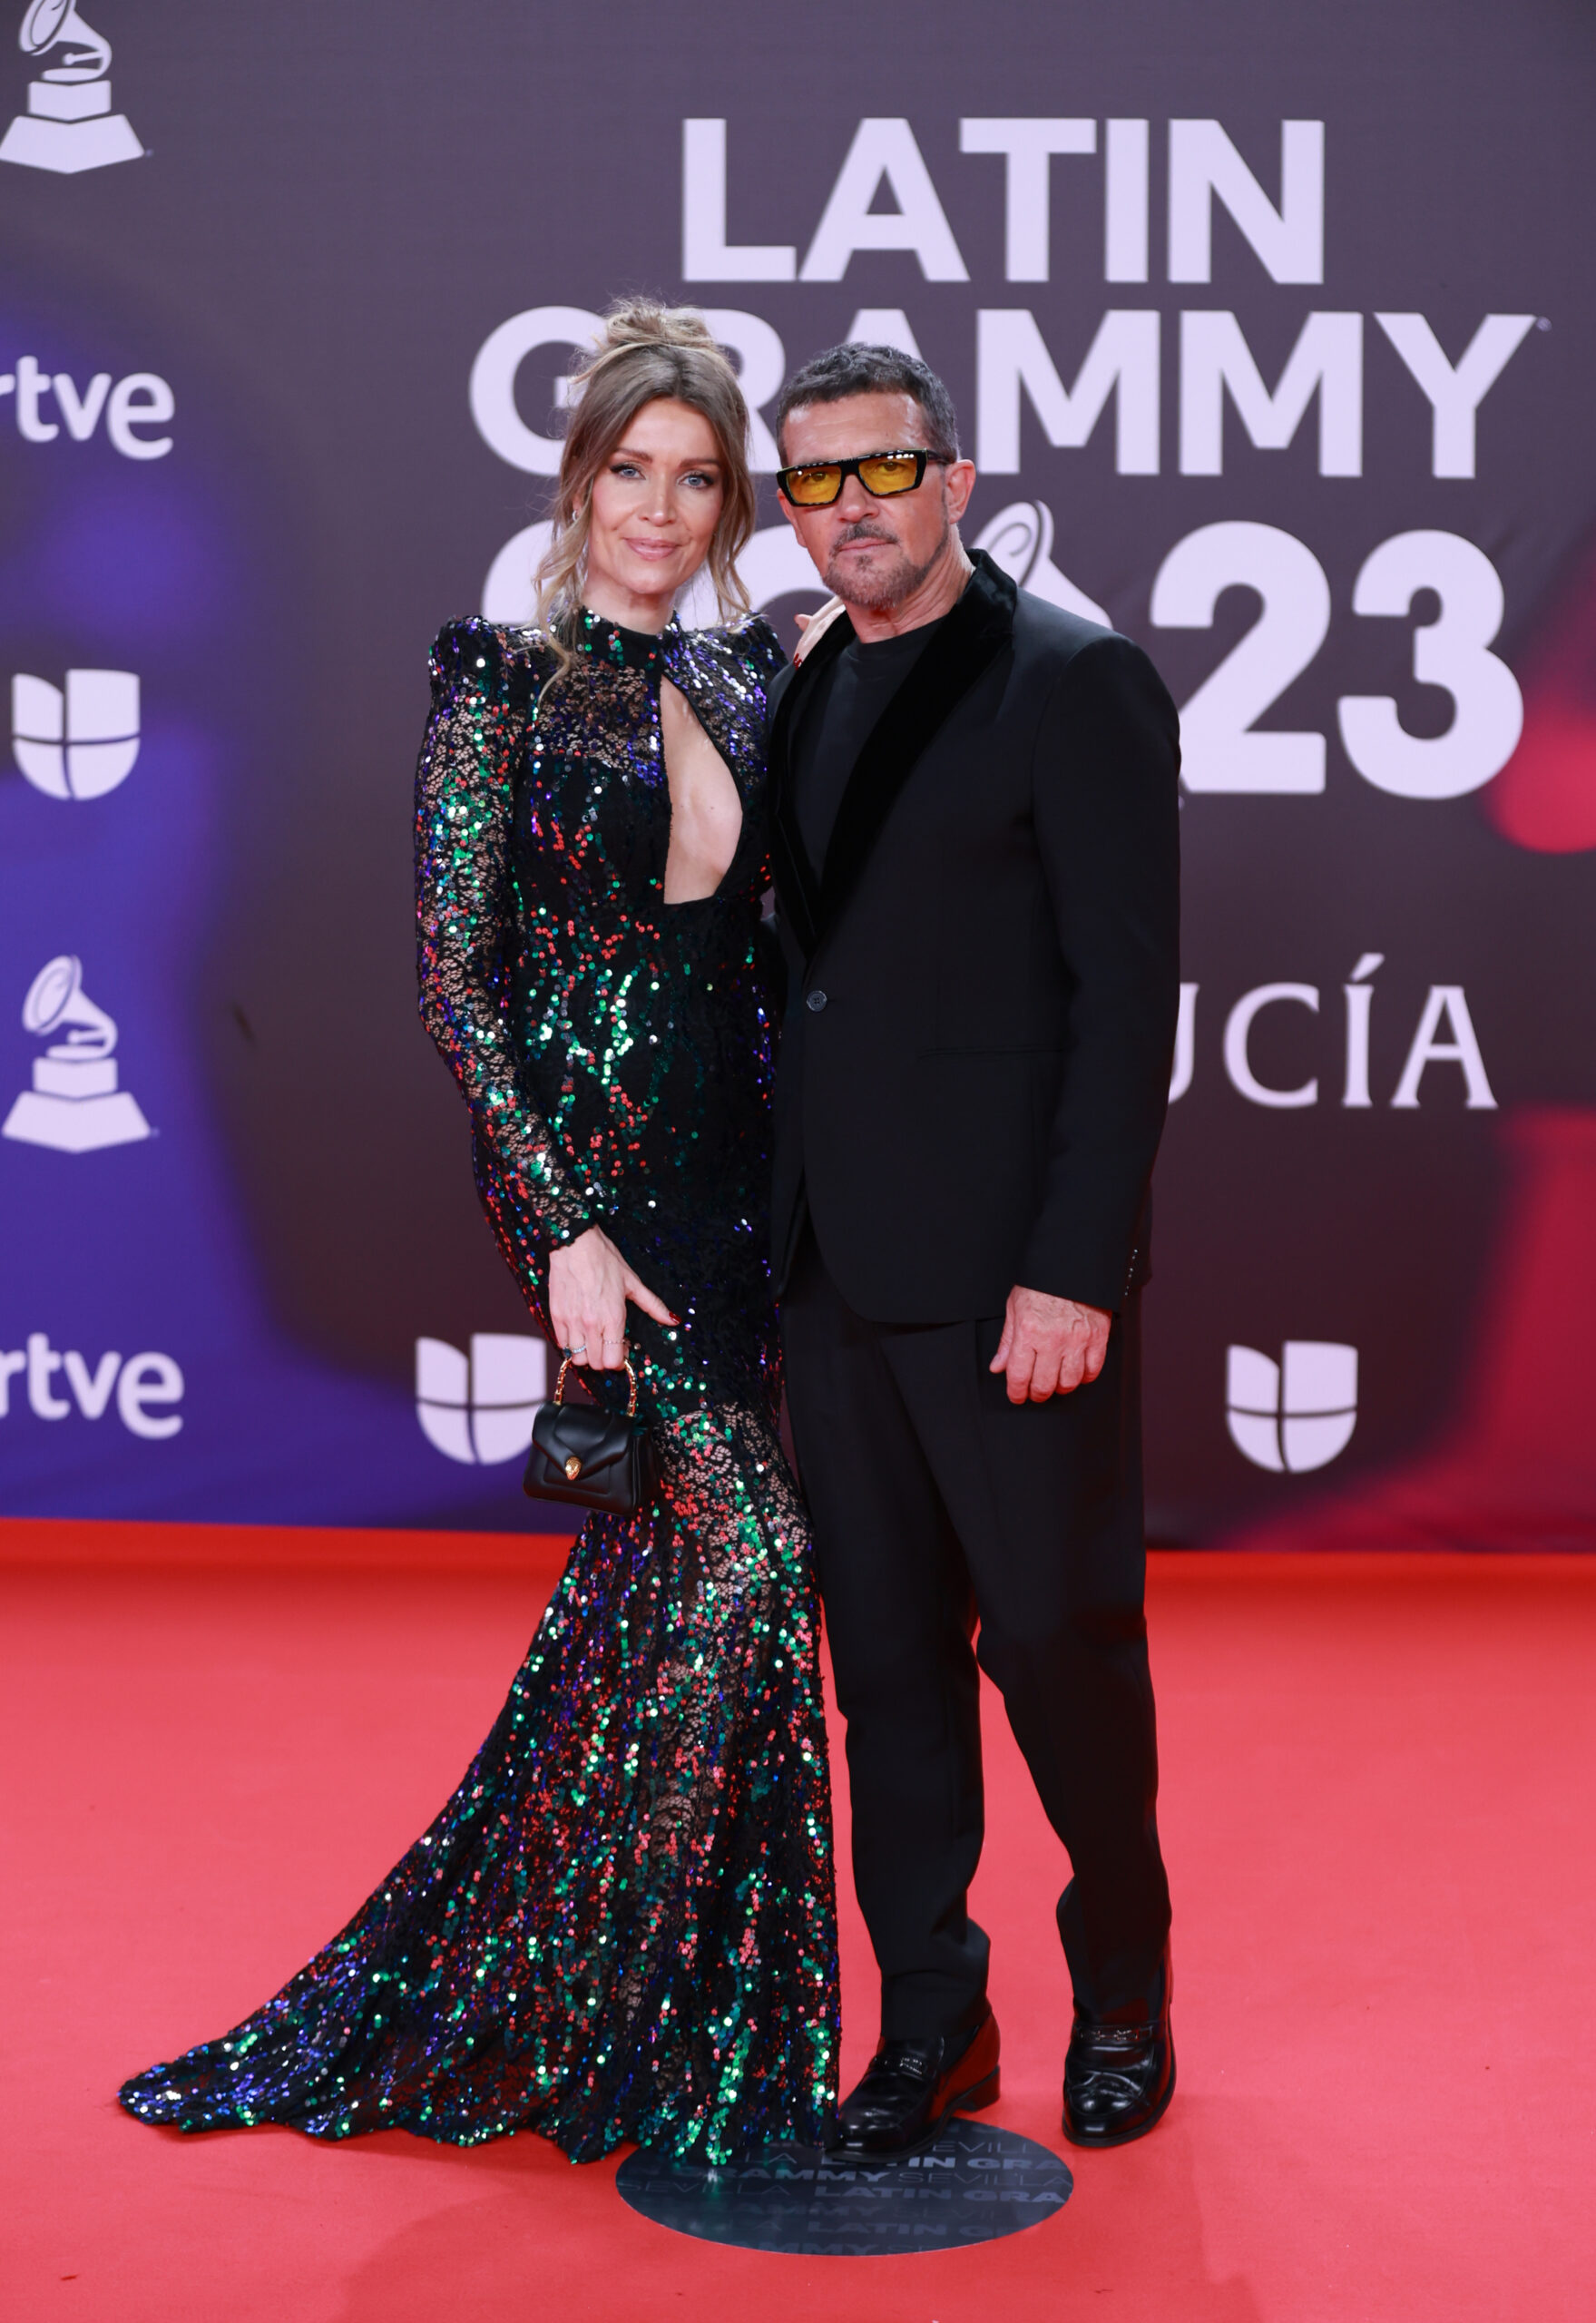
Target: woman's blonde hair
[(648, 350)]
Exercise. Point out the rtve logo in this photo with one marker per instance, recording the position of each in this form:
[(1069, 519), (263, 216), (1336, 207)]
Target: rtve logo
[(78, 741), (1443, 1035), (143, 399), (144, 1385), (1293, 1415), (69, 125), (479, 1408)]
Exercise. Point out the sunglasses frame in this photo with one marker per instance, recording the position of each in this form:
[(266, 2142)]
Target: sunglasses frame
[(922, 460)]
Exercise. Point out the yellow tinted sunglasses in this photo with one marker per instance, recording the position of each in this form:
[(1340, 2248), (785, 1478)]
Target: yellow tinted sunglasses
[(883, 474)]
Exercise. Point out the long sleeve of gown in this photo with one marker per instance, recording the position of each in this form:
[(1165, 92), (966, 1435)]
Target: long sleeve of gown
[(621, 1926), (464, 912)]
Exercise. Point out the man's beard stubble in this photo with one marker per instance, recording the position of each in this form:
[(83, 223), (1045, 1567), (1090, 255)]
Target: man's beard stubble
[(879, 592)]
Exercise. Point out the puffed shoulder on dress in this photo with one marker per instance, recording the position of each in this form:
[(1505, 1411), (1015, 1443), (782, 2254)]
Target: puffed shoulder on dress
[(753, 640), (491, 658)]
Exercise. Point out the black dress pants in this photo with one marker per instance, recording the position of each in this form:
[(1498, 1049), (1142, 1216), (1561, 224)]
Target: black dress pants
[(938, 1506)]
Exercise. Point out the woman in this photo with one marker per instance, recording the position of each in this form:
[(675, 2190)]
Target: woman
[(621, 1926)]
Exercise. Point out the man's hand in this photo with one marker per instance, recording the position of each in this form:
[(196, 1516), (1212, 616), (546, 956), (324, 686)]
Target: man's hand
[(1049, 1346)]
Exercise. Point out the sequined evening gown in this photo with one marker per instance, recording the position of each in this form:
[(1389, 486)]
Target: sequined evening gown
[(621, 1924)]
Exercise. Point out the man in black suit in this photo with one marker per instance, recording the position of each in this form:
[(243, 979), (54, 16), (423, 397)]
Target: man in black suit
[(976, 867)]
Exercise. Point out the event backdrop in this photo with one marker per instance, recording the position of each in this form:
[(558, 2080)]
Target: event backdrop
[(1270, 326)]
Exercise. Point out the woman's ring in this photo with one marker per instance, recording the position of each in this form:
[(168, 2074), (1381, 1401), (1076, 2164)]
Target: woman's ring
[(577, 1350)]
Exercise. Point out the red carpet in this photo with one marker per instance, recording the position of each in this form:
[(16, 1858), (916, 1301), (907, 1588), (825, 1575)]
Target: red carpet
[(1377, 1815)]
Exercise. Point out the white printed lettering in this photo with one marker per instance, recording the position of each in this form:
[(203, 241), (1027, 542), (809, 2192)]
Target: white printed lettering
[(1125, 202), (141, 400), (149, 1380), (43, 1364), (1121, 361), (1239, 1026), (1451, 652), (1359, 997), (706, 255), (91, 1388), (1029, 146), (31, 385), (1446, 1001), (1455, 394), (1327, 360), (82, 413), (884, 150), (1185, 1059), (1218, 750), (1204, 163)]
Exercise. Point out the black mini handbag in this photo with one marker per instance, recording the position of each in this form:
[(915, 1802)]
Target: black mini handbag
[(592, 1458)]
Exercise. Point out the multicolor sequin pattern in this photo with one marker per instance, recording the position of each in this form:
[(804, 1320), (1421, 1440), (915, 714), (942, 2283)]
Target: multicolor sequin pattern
[(622, 1924)]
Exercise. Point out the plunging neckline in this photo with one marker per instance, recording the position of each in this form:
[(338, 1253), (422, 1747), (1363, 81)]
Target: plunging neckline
[(647, 651)]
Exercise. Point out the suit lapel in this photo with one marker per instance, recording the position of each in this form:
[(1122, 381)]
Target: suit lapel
[(797, 885), (971, 637)]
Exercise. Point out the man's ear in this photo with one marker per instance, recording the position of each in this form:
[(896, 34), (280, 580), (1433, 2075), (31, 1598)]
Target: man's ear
[(958, 484), (790, 512)]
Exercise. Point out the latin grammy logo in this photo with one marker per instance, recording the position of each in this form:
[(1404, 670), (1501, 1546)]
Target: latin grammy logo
[(1020, 539), (69, 125), (74, 1104)]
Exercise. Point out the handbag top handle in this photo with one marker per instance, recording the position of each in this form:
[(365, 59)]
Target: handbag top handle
[(626, 1367)]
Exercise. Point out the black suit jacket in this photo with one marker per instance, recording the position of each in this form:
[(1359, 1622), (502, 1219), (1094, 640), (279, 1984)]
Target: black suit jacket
[(983, 987)]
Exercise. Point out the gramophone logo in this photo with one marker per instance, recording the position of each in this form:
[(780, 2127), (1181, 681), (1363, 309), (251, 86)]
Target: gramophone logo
[(1297, 1414), (74, 1104), (69, 125), (1020, 540), (479, 1408), (80, 742)]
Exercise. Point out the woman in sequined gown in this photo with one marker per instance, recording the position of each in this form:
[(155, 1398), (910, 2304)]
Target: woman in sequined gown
[(621, 1924)]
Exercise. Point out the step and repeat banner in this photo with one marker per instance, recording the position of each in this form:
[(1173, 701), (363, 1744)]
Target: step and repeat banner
[(1272, 339)]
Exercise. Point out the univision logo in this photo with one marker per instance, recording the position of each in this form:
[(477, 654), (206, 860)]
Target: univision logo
[(1293, 1415), (479, 1407), (78, 741)]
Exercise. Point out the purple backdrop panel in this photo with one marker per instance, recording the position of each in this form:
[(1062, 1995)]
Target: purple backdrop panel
[(1271, 347)]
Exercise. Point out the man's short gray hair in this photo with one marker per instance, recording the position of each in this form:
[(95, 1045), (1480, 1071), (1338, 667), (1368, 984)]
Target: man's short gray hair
[(853, 369)]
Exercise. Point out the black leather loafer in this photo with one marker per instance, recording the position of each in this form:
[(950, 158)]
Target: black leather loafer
[(1119, 2080), (910, 2088)]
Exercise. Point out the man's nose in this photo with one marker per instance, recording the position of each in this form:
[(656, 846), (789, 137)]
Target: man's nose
[(853, 502)]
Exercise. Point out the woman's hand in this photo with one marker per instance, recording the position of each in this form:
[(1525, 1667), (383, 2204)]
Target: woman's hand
[(588, 1285), (812, 627)]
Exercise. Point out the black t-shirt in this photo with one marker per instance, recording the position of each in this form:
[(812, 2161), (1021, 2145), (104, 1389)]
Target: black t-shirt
[(847, 698)]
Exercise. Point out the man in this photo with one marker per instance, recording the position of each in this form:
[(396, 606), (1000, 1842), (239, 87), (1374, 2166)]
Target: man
[(976, 866)]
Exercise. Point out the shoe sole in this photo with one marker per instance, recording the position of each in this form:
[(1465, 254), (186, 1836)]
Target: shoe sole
[(974, 2100), (1126, 2137)]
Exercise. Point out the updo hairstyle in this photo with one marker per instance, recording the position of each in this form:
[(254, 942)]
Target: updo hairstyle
[(648, 351)]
